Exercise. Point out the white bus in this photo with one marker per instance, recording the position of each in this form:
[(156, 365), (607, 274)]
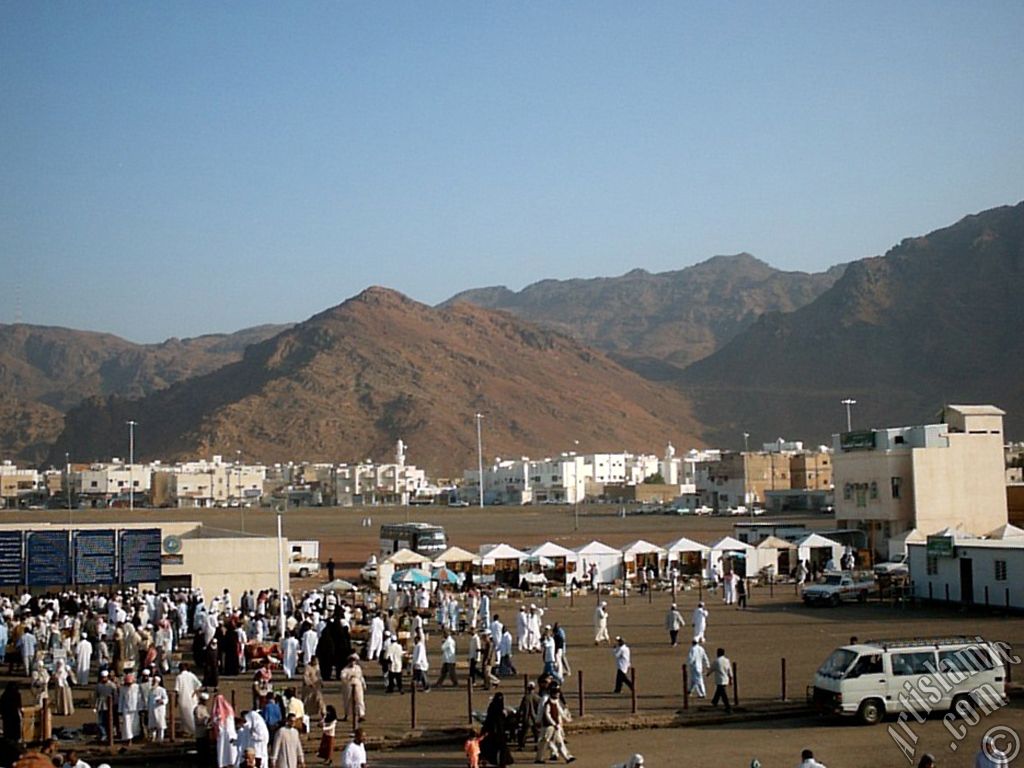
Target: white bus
[(426, 539), (880, 677)]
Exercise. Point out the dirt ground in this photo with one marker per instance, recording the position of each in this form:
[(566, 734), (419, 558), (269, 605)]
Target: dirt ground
[(756, 640)]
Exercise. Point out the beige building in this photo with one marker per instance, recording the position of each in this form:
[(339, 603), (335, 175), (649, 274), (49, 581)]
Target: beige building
[(811, 471), (930, 477), (742, 479)]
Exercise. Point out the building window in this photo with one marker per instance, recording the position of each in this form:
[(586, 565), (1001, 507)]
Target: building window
[(1000, 570), (93, 484), (932, 565), (874, 490), (896, 482), (862, 494), (847, 492)]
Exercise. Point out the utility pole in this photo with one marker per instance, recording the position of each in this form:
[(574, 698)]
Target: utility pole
[(131, 464), (480, 457)]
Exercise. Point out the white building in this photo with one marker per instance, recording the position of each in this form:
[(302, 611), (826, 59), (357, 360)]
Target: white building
[(930, 477), (103, 482), (959, 568), (371, 483)]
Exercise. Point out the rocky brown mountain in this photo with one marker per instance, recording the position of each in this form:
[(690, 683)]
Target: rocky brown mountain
[(46, 370), (938, 319), (646, 320), (350, 381)]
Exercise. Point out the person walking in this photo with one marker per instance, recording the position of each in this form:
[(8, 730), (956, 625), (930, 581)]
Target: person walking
[(420, 663), (448, 661), (623, 662), (721, 668), (673, 623), (601, 623), (741, 594), (354, 755), (697, 661), (553, 717), (393, 654), (287, 751), (700, 622), (494, 734)]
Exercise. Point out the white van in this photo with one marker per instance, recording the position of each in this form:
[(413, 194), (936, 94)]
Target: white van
[(880, 677)]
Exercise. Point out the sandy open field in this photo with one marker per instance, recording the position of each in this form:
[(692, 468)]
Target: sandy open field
[(756, 640)]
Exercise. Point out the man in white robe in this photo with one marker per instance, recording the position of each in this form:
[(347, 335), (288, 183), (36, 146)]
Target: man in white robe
[(699, 666), (376, 637), (187, 686), (310, 639), (700, 622), (259, 736), (129, 702), (601, 624), (83, 660), (290, 652)]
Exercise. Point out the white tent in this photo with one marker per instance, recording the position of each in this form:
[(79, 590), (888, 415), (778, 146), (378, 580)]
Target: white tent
[(607, 560), (732, 550), (688, 554), (457, 560), (500, 563), (777, 553), (818, 550), (401, 560), (898, 543), (565, 562), (642, 553)]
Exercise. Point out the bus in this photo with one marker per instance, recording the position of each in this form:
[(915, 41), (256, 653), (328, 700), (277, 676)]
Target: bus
[(425, 538)]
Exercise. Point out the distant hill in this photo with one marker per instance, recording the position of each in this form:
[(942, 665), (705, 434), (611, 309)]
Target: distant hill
[(646, 320), (46, 370), (350, 381), (938, 319)]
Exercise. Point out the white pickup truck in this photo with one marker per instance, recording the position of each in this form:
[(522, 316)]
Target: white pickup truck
[(304, 558), (838, 587)]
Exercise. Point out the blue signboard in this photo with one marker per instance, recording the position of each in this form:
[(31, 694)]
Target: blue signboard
[(48, 558), (95, 558), (140, 556), (12, 564)]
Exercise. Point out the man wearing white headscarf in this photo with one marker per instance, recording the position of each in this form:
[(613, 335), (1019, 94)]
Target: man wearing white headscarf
[(187, 686), (258, 736), (83, 660), (601, 623)]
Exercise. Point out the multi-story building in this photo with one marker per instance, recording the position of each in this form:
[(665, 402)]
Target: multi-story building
[(811, 471), (372, 483), (929, 477), (741, 478), (17, 484), (103, 483)]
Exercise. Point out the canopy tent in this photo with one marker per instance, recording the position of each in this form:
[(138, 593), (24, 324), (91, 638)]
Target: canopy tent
[(817, 550), (563, 561), (730, 554), (898, 543), (501, 563), (686, 555), (605, 561), (340, 585), (444, 575), (457, 559), (777, 554), (643, 554), (402, 560), (410, 576)]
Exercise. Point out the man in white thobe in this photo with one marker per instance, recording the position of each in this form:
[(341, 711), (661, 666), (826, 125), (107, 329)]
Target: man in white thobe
[(187, 686), (354, 755), (129, 702), (291, 656), (83, 660), (310, 639), (601, 623), (699, 665), (259, 736), (700, 622), (376, 637), (522, 622)]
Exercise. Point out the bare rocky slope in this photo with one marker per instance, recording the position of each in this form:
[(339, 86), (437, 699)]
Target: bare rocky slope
[(350, 381)]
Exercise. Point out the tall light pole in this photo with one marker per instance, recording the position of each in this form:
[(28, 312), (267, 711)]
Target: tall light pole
[(746, 489), (280, 570), (480, 458), (131, 464), (241, 501), (576, 487), (849, 421), (67, 480)]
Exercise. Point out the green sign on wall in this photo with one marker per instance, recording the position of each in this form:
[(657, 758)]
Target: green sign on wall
[(940, 546)]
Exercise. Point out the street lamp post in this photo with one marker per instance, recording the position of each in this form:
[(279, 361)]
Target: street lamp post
[(67, 480), (480, 458), (131, 464), (849, 421), (238, 488), (280, 570), (746, 490)]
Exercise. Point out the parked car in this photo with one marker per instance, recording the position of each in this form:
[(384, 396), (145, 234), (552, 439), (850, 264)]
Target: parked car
[(897, 567), (838, 588)]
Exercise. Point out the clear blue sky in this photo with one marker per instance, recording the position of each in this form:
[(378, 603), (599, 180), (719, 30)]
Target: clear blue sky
[(175, 168)]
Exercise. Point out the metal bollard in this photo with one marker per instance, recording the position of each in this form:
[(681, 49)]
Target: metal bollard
[(572, 595), (526, 682), (355, 711), (110, 723), (1007, 598), (686, 687), (947, 591), (579, 691), (632, 689), (233, 707), (412, 705), (735, 685), (771, 587), (171, 715), (783, 678), (986, 595), (469, 699)]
